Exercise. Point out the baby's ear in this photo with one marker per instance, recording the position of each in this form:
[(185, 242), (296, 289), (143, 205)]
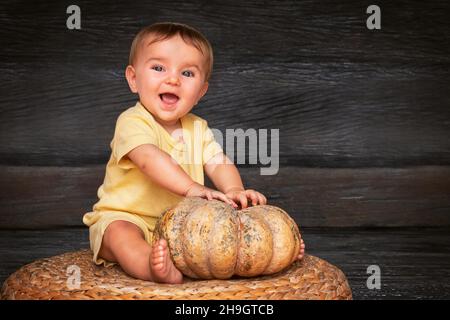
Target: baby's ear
[(203, 90), (130, 74)]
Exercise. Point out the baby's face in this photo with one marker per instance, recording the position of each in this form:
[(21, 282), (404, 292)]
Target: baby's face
[(169, 77)]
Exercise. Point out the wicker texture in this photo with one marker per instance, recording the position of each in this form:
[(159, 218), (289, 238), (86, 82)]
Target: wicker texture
[(312, 278)]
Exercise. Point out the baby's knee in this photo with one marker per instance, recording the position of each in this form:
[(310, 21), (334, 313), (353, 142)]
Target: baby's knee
[(120, 230)]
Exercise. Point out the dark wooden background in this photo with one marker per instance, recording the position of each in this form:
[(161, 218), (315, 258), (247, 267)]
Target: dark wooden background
[(364, 119)]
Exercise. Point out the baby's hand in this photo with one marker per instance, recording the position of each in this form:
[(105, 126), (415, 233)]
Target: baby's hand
[(242, 196), (197, 190)]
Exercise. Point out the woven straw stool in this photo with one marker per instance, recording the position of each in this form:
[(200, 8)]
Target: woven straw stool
[(311, 278)]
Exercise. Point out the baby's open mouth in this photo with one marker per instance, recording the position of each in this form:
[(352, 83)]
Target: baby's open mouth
[(169, 98)]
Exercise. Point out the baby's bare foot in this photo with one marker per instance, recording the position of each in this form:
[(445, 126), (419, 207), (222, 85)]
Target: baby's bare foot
[(302, 250), (162, 268)]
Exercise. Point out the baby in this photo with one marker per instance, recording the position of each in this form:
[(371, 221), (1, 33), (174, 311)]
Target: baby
[(159, 154)]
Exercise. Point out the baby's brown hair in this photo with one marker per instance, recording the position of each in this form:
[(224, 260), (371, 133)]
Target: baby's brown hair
[(165, 30)]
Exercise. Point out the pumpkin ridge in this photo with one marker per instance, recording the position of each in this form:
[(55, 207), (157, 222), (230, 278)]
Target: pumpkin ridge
[(255, 251), (273, 239), (277, 223), (223, 241), (271, 235), (239, 224), (170, 225), (295, 231), (181, 258), (208, 249), (209, 243)]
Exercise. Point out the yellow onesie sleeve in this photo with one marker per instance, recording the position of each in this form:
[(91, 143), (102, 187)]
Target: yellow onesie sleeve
[(131, 132)]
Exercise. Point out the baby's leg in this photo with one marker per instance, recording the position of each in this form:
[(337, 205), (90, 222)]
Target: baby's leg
[(124, 242)]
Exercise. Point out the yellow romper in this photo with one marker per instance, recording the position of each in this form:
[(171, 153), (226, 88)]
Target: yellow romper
[(127, 193)]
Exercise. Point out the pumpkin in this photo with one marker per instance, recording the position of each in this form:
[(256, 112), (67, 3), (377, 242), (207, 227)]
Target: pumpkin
[(210, 239)]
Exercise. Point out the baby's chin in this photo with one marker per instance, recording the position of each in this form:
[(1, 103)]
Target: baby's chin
[(168, 118)]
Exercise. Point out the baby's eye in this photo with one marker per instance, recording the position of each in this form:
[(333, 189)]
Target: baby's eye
[(188, 73), (157, 68)]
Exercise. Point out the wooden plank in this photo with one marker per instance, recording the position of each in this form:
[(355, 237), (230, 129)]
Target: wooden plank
[(347, 125), (49, 197), (250, 31), (341, 95), (414, 262)]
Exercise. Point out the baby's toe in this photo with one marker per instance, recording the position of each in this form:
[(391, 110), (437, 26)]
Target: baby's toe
[(157, 252), (158, 259), (163, 243), (157, 262)]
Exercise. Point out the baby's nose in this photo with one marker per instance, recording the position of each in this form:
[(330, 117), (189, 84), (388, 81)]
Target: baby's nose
[(173, 80)]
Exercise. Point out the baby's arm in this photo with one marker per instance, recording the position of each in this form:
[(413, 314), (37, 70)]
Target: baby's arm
[(163, 170), (223, 173), (160, 168), (225, 176)]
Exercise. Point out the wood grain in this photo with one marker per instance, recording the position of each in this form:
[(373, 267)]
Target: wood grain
[(51, 197), (341, 95)]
